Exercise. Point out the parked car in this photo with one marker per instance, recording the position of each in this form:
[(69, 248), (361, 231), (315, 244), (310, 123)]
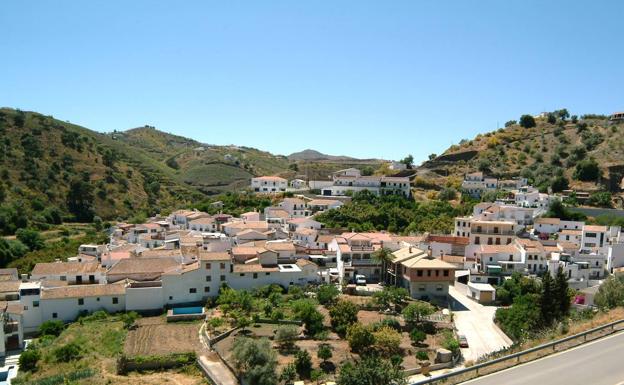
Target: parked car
[(463, 342), (360, 279)]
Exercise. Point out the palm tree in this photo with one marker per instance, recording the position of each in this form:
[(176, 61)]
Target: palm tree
[(385, 257)]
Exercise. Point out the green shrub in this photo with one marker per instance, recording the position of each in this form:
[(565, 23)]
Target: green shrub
[(51, 328), (68, 352), (422, 355), (28, 359)]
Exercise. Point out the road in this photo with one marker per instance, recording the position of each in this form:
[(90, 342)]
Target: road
[(476, 322), (595, 363)]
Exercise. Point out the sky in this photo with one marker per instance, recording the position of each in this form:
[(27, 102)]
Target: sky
[(370, 79)]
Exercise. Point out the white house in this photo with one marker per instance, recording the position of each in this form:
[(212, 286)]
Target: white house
[(269, 184)]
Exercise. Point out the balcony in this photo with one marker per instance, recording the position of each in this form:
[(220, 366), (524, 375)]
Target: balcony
[(492, 232), (361, 248), (11, 327)]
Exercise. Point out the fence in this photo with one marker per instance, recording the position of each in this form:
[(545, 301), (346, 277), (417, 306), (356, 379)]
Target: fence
[(514, 359)]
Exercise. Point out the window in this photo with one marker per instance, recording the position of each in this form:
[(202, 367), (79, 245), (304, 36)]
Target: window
[(80, 301), (115, 300), (222, 278), (439, 288), (446, 273), (255, 275), (206, 289), (208, 266), (242, 274), (428, 273), (54, 315), (477, 240), (192, 290), (422, 288), (222, 266), (208, 278), (419, 273), (437, 273), (63, 278), (267, 273), (170, 297), (35, 303), (98, 299)]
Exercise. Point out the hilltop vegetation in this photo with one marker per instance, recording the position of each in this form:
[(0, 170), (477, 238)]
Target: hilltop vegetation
[(556, 151), (53, 172)]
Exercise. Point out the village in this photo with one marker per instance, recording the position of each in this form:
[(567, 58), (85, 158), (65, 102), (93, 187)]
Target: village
[(184, 262)]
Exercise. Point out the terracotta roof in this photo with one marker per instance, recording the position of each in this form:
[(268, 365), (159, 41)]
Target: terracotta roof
[(214, 256), (79, 291), (9, 286), (595, 228), (572, 231), (254, 268), (548, 221), (301, 262), (270, 178), (62, 268), (279, 246), (143, 266), (498, 249), (202, 221), (448, 239)]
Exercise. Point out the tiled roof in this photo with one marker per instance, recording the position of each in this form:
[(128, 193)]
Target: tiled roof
[(214, 256), (79, 291), (60, 268)]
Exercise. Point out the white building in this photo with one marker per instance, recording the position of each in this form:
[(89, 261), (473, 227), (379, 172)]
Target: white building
[(269, 184)]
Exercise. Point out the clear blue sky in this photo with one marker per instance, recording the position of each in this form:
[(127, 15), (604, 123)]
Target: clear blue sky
[(361, 78)]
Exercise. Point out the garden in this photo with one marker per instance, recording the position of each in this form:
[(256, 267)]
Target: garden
[(317, 334)]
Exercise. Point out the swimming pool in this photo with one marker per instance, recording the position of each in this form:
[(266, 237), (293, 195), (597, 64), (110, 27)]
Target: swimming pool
[(188, 310)]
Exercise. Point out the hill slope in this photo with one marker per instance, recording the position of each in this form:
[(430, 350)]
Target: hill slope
[(541, 153), (52, 171)]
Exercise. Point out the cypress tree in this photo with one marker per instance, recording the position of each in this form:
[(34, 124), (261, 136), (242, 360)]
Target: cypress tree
[(547, 300), (562, 294)]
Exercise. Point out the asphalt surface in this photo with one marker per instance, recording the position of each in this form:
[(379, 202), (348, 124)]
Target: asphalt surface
[(476, 322), (596, 363)]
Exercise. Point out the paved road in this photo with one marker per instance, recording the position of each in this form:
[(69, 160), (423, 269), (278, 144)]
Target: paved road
[(476, 322), (595, 363)]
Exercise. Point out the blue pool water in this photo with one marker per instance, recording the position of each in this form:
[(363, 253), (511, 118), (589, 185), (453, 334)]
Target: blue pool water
[(187, 310)]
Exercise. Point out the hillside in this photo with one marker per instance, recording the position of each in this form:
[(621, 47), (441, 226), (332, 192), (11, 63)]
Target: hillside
[(554, 153), (53, 171), (310, 154)]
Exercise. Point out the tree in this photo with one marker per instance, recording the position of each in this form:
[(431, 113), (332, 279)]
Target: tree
[(527, 121), (552, 119), (447, 194), (559, 183), (562, 293), (289, 373), (600, 199), (417, 336), (563, 114), (360, 337), (510, 123), (343, 314), (31, 238), (384, 257), (324, 352), (80, 200), (587, 170), (390, 296), (303, 363), (51, 328), (611, 293), (286, 335), (522, 318), (312, 319), (387, 341), (432, 156), (28, 359), (548, 302), (414, 312), (408, 161), (327, 294), (255, 360), (371, 370)]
